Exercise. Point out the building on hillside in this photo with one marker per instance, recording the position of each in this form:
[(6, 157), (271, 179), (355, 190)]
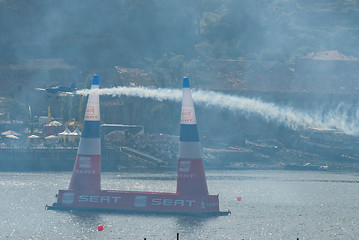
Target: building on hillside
[(135, 76), (322, 62), (327, 72), (241, 75)]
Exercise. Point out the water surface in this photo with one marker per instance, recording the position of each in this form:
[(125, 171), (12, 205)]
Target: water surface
[(274, 205)]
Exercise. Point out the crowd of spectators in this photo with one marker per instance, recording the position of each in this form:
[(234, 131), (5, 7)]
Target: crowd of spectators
[(159, 145), (162, 146)]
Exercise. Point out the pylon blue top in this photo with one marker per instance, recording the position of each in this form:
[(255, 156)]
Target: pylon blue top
[(96, 80), (185, 82)]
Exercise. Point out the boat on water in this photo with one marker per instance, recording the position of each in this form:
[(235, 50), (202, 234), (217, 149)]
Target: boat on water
[(306, 167), (85, 193)]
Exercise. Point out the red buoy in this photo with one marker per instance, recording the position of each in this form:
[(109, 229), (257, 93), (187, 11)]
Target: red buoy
[(239, 198), (100, 227)]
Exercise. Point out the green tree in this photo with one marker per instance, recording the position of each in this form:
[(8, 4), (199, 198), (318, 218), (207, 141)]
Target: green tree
[(65, 109), (16, 110), (169, 69)]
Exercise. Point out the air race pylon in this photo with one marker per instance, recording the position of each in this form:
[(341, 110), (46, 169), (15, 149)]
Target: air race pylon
[(86, 175), (191, 179)]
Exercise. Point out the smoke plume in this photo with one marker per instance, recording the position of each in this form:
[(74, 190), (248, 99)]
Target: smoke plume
[(339, 119)]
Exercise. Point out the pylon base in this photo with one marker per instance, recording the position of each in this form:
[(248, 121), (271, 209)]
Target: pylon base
[(137, 202)]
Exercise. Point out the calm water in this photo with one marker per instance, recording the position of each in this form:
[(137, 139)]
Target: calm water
[(275, 205)]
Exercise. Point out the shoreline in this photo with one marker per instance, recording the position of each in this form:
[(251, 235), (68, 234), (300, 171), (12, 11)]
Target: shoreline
[(56, 159)]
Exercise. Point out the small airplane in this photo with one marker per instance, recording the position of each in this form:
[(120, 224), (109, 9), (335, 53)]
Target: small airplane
[(59, 89)]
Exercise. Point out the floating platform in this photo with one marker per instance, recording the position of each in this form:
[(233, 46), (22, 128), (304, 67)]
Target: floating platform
[(138, 202), (85, 193)]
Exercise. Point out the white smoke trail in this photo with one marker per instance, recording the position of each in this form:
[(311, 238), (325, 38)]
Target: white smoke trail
[(141, 92), (336, 119)]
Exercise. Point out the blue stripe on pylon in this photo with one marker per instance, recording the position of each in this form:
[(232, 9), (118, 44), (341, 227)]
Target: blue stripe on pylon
[(189, 133), (95, 80), (91, 129), (185, 82)]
